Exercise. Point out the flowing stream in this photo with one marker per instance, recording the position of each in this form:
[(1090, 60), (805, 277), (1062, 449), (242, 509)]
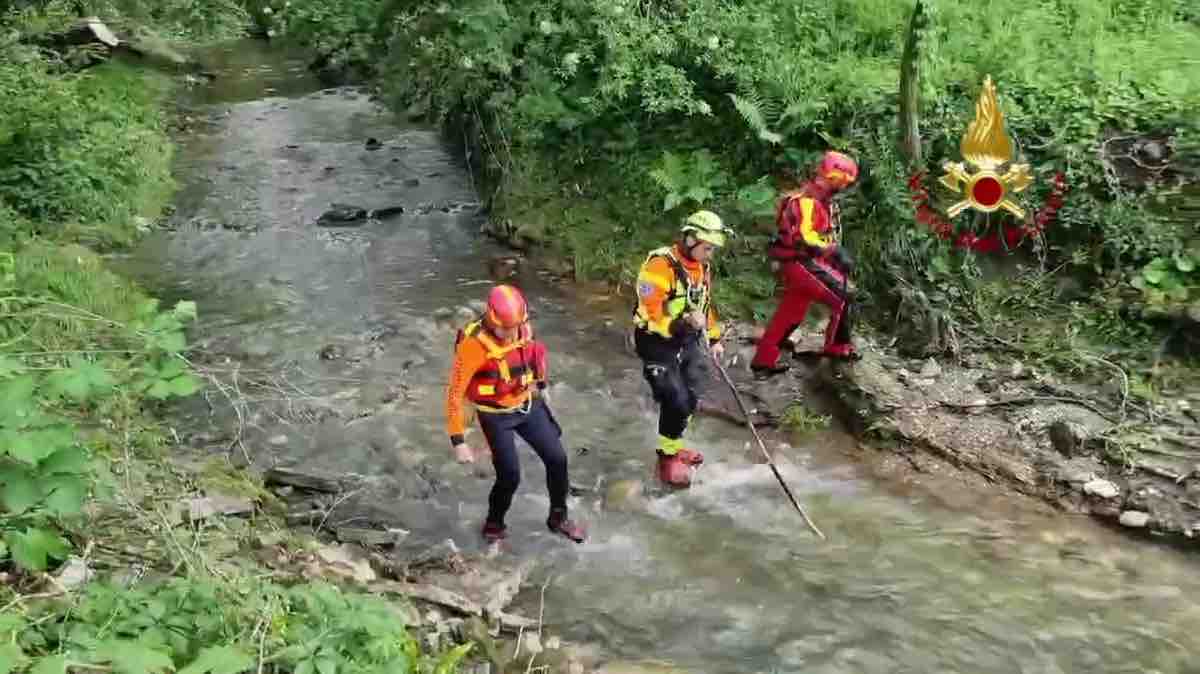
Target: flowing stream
[(341, 340)]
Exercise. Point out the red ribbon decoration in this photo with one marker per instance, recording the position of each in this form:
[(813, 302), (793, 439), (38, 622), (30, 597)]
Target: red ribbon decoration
[(1014, 233)]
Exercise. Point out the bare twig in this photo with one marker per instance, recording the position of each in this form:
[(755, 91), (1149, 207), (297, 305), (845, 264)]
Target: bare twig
[(340, 500), (30, 597), (1124, 381), (1021, 400)]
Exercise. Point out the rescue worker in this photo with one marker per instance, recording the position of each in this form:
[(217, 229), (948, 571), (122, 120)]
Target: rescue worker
[(500, 368), (811, 265), (674, 313)]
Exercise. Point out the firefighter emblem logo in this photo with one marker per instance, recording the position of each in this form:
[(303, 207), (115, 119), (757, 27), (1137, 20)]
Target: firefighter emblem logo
[(988, 150)]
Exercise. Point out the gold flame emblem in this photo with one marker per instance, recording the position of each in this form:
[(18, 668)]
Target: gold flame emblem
[(987, 147)]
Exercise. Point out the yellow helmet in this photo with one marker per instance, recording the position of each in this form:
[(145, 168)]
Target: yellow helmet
[(705, 226)]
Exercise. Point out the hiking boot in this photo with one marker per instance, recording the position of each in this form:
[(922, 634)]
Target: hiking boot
[(673, 472), (559, 524), (493, 532), (843, 351), (689, 457), (766, 371)]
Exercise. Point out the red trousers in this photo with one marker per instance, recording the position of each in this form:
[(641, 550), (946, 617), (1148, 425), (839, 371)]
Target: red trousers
[(805, 282)]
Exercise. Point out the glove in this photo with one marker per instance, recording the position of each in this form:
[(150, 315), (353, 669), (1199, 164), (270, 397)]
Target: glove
[(682, 326), (844, 260)]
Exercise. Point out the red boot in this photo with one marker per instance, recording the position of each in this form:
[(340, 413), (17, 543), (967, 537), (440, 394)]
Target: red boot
[(690, 457), (673, 472), (845, 351), (493, 532), (559, 524)]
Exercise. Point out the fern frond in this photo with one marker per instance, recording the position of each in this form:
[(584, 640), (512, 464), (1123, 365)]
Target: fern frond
[(752, 109)]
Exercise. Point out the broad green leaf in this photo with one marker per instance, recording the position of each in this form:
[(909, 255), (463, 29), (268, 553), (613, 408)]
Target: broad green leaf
[(65, 494), (1178, 293), (17, 402), (1184, 263), (326, 664), (184, 385), (51, 664), (131, 657), (32, 548), (3, 556), (171, 342), (170, 367), (11, 657), (185, 310), (82, 381), (19, 493), (227, 659), (305, 667), (10, 622), (32, 446), (69, 460), (159, 390), (1155, 271)]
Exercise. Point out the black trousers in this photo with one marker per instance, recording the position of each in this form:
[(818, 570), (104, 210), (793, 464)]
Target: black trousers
[(675, 370), (537, 427)]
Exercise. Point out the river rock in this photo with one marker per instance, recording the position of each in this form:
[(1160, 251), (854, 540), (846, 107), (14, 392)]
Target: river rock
[(218, 504), (1101, 488), (931, 369), (152, 49), (343, 561), (625, 495), (74, 573), (342, 215), (1134, 519), (1068, 437)]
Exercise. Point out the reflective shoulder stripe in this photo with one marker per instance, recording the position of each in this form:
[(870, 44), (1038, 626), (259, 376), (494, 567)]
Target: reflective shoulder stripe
[(655, 279), (808, 226)]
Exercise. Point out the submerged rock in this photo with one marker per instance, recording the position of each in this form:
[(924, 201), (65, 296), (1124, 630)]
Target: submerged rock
[(342, 215)]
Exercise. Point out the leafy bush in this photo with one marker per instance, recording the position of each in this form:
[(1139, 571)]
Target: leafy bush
[(83, 155), (208, 626), (78, 342)]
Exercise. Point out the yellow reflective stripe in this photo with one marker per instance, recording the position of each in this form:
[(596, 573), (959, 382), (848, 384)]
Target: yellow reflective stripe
[(486, 389), (811, 237), (669, 446), (657, 279)]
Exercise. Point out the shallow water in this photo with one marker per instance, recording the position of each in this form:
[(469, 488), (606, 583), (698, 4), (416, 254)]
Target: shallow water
[(721, 578)]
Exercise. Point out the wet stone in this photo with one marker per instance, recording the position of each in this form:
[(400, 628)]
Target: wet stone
[(1134, 519)]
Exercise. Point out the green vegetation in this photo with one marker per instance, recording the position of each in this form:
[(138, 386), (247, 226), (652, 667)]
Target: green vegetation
[(799, 419), (600, 124), (85, 359)]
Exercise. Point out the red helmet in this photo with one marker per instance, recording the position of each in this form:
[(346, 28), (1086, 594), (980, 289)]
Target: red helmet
[(837, 169), (506, 307)]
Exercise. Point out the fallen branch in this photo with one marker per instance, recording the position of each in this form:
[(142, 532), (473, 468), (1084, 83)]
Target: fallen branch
[(1161, 472), (1021, 400)]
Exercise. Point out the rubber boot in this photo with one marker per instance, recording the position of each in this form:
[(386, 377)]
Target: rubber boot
[(767, 371), (689, 457), (842, 351), (559, 524), (673, 472), (493, 532)]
